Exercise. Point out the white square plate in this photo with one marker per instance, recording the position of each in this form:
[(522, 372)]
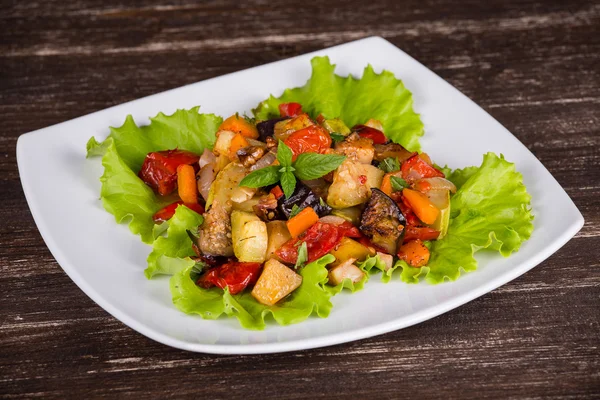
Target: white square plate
[(106, 261)]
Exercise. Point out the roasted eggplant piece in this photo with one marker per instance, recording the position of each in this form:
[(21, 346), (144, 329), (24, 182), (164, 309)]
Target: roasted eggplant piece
[(266, 128), (383, 151), (382, 221), (302, 197)]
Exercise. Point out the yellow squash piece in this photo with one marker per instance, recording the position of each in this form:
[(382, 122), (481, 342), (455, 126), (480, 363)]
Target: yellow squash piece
[(350, 249), (226, 186), (275, 282), (249, 236)]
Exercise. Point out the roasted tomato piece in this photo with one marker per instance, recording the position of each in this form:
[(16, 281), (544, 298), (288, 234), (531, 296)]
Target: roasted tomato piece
[(159, 170), (234, 275), (290, 109), (421, 233), (348, 230), (167, 212), (313, 139), (371, 133), (416, 168), (320, 239)]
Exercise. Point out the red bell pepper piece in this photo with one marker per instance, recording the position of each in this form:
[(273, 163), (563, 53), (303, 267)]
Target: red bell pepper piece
[(374, 134), (234, 275), (166, 213), (290, 109), (159, 170), (416, 168)]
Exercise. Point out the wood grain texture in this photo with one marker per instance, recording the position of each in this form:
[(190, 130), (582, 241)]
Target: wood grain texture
[(532, 64)]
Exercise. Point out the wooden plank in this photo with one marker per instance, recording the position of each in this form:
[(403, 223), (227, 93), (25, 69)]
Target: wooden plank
[(532, 65)]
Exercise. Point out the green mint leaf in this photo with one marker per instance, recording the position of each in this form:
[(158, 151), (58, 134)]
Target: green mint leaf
[(288, 184), (313, 165), (284, 154), (261, 177), (390, 164), (302, 256), (337, 137), (398, 183), (295, 210)]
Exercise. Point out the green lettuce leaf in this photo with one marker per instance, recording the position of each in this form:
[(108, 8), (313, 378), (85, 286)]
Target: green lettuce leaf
[(171, 253), (310, 298), (491, 210), (123, 194), (355, 101)]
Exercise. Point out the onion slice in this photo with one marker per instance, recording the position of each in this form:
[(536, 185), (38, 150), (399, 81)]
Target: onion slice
[(437, 183), (207, 157), (332, 219), (206, 176), (265, 161)]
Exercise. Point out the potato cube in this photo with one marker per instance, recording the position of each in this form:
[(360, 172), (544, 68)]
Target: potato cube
[(275, 282), (278, 235), (346, 270)]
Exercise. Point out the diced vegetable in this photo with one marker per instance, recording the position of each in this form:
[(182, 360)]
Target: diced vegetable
[(207, 157), (422, 207), (312, 139), (416, 168), (166, 213), (302, 197), (275, 282), (350, 249), (320, 239), (382, 222), (374, 176), (376, 136), (278, 235), (391, 150), (238, 142), (302, 221), (356, 148), (215, 232), (437, 183), (386, 184), (414, 253), (387, 259), (421, 233), (349, 187), (226, 186), (290, 109), (336, 125), (346, 270), (267, 128), (236, 276), (159, 170), (222, 162), (247, 206), (186, 184), (375, 124), (205, 177), (351, 214), (249, 236), (283, 129), (240, 125), (440, 199), (223, 142)]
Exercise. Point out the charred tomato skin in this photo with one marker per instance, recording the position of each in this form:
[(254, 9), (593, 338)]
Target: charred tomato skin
[(382, 222)]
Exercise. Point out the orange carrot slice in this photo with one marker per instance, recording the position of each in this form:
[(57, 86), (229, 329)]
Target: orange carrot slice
[(302, 221), (420, 204), (239, 124), (186, 184)]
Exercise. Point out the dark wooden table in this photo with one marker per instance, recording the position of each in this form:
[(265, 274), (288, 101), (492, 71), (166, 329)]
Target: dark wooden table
[(534, 65)]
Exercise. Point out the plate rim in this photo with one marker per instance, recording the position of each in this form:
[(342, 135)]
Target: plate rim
[(25, 139)]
